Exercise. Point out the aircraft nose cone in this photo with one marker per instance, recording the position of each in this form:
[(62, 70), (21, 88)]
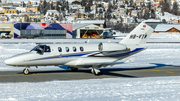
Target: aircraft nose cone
[(9, 61)]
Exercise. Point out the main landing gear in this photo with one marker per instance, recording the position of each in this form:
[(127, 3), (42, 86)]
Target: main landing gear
[(73, 69), (26, 71), (95, 71)]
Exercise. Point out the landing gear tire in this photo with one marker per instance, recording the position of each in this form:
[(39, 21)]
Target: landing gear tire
[(95, 73), (74, 69), (26, 71)]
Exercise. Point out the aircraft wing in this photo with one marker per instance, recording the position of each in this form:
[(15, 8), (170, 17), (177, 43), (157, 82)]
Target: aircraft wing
[(103, 64)]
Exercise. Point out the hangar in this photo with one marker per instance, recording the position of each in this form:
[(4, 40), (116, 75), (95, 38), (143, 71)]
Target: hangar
[(44, 30), (41, 30), (6, 30), (86, 30)]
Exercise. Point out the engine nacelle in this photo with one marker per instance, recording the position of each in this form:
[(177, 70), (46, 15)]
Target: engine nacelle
[(105, 47)]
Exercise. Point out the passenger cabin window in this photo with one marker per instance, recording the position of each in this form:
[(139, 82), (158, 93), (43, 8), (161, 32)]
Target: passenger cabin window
[(59, 49), (74, 49), (81, 49), (67, 49)]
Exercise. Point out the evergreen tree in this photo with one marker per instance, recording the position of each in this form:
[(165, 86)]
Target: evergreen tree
[(104, 25), (67, 6), (146, 14), (166, 7), (90, 2), (175, 8), (131, 3), (100, 11), (153, 15), (149, 6), (51, 6), (24, 5), (126, 2), (114, 2), (96, 9), (87, 8), (83, 2), (109, 8)]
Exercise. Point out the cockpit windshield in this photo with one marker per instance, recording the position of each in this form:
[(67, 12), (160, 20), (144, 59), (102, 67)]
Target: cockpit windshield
[(41, 49)]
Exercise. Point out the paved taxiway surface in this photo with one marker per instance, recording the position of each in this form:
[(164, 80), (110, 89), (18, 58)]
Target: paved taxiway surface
[(37, 76)]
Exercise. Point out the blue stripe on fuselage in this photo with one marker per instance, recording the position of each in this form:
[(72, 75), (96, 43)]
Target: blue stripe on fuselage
[(134, 51), (75, 55), (82, 54)]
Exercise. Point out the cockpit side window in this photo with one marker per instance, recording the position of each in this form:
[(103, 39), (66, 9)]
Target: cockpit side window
[(47, 49), (40, 49)]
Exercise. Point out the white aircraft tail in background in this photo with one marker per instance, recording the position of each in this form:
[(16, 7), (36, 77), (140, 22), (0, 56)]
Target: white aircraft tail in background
[(85, 55)]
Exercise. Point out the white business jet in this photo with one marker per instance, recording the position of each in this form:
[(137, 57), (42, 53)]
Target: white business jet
[(85, 55)]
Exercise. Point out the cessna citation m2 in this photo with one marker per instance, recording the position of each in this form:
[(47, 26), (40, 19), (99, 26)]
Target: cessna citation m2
[(85, 55)]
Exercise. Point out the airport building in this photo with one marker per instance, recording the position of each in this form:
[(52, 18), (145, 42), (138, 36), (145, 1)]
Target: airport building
[(86, 30), (6, 30), (167, 28), (41, 30)]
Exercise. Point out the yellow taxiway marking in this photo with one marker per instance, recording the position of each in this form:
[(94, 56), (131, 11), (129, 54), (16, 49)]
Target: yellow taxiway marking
[(12, 75), (169, 72), (40, 74)]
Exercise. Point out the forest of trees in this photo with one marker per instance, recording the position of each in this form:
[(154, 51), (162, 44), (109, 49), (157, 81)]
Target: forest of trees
[(166, 7)]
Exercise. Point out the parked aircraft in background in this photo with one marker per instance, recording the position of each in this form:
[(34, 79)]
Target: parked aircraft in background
[(111, 34), (108, 34), (85, 55)]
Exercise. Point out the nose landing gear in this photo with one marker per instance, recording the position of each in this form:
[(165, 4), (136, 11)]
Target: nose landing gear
[(26, 71)]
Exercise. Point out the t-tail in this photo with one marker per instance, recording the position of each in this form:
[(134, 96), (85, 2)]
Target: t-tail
[(139, 35)]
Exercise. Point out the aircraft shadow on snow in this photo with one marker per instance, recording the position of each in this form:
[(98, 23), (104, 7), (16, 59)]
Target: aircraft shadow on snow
[(104, 71)]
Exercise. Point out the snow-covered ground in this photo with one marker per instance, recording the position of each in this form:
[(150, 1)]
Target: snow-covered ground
[(114, 89)]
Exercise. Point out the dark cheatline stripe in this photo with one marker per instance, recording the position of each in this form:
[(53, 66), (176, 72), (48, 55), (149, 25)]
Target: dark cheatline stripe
[(115, 55), (82, 54), (136, 50), (75, 55)]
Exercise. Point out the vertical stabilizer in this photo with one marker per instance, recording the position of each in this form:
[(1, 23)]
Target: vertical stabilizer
[(141, 33)]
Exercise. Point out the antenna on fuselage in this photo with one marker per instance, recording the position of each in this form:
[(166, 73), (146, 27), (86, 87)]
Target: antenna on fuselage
[(87, 41)]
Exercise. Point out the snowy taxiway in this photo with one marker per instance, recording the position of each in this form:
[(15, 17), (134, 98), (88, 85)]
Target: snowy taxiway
[(124, 89)]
